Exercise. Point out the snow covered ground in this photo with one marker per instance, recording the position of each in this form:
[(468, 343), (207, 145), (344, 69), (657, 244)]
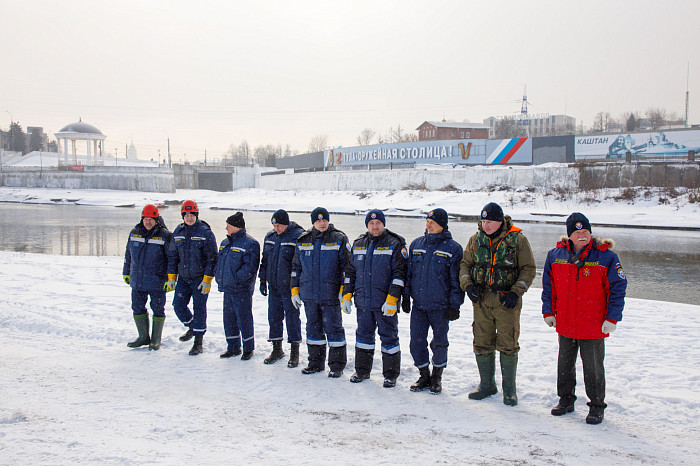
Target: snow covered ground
[(72, 392), (649, 207)]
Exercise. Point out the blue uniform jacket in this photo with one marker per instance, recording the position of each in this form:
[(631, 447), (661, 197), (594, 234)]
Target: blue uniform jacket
[(319, 265), (432, 278), (277, 258), (192, 252), (239, 256), (146, 257), (376, 268)]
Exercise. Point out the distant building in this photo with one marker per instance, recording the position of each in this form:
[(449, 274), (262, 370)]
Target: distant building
[(441, 130), (131, 152), (78, 133), (534, 125)]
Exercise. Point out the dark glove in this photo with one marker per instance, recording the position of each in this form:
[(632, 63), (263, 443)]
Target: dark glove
[(473, 294), (452, 314), (263, 287), (509, 300), (406, 305)]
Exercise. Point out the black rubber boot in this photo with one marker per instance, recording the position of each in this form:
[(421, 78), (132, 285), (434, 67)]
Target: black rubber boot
[(487, 372), (363, 365), (563, 407), (143, 339), (391, 368), (436, 380), (156, 333), (197, 347), (595, 415), (294, 356), (337, 360), (317, 359), (187, 336), (423, 381), (277, 352), (509, 366)]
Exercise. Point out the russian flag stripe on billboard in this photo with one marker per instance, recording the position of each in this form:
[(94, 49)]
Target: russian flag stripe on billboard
[(505, 150)]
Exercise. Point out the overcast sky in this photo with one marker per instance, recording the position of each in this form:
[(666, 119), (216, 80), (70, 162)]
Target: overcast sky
[(208, 74)]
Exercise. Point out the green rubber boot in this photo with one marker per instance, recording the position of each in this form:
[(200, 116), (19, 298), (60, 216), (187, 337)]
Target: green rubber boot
[(487, 372), (509, 366), (143, 339), (156, 333)]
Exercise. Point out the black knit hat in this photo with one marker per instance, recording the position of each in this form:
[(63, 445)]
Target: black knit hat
[(375, 214), (319, 213), (438, 216), (280, 217), (236, 220), (493, 212), (577, 221)]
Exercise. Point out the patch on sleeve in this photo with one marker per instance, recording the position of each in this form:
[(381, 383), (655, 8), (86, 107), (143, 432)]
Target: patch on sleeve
[(404, 253), (620, 271), (347, 245)]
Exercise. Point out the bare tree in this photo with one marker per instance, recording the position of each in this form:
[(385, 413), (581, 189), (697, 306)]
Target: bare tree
[(507, 128), (318, 143), (366, 136), (601, 121), (656, 118)]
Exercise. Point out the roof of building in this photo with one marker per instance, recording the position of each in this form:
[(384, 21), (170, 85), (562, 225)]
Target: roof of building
[(454, 124), (80, 127)]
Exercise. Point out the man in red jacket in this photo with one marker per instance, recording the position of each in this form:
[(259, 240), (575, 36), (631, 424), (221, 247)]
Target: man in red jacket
[(583, 295)]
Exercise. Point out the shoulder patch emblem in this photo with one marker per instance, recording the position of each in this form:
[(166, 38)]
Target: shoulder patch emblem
[(347, 245), (620, 271), (404, 253)]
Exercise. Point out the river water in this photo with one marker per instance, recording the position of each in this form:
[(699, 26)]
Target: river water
[(660, 264)]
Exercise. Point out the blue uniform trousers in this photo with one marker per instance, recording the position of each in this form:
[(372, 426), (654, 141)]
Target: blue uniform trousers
[(139, 298), (184, 290), (421, 321), (280, 309), (238, 321), (368, 322), (324, 321)]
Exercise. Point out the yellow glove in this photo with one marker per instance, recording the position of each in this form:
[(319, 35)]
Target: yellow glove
[(172, 281), (389, 307), (126, 278), (296, 299), (346, 305), (205, 286), (166, 288)]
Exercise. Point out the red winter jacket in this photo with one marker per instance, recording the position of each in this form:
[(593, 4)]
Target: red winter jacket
[(581, 299)]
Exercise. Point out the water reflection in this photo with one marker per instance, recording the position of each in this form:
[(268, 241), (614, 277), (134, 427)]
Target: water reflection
[(659, 264)]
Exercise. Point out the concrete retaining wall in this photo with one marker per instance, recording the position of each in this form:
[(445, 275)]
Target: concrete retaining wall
[(664, 175), (143, 181)]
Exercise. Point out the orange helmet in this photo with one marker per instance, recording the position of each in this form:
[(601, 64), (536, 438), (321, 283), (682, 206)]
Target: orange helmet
[(149, 210), (189, 207)]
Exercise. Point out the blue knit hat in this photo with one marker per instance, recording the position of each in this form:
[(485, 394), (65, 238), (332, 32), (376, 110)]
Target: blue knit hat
[(577, 221), (493, 212), (438, 216), (375, 214), (319, 213)]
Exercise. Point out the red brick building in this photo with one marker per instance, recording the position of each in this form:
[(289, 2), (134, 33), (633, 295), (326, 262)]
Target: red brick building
[(440, 130)]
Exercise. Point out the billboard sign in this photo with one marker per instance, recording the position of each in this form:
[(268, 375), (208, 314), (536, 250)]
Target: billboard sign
[(458, 151), (640, 145)]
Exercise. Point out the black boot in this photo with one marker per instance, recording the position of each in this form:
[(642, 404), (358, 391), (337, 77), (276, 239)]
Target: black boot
[(595, 415), (436, 380), (247, 355), (363, 365), (391, 368), (187, 336), (423, 381), (277, 352), (487, 372), (294, 356), (563, 407), (197, 347), (141, 321), (156, 332), (317, 359), (230, 353), (337, 360), (509, 366)]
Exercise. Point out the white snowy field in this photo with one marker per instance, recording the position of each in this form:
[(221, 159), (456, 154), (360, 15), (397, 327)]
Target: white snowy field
[(72, 392), (650, 206)]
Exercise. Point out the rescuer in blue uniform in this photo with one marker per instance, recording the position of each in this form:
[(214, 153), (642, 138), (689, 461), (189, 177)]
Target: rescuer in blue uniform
[(239, 257), (375, 275), (275, 274), (146, 271), (191, 262), (432, 281), (317, 276)]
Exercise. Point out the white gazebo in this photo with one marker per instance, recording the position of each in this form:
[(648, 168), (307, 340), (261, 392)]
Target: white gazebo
[(80, 131)]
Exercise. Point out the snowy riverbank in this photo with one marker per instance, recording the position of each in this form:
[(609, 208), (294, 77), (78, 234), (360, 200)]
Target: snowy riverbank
[(639, 207), (73, 392)]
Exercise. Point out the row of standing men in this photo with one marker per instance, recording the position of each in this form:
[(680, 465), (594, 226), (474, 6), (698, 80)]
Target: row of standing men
[(322, 270)]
